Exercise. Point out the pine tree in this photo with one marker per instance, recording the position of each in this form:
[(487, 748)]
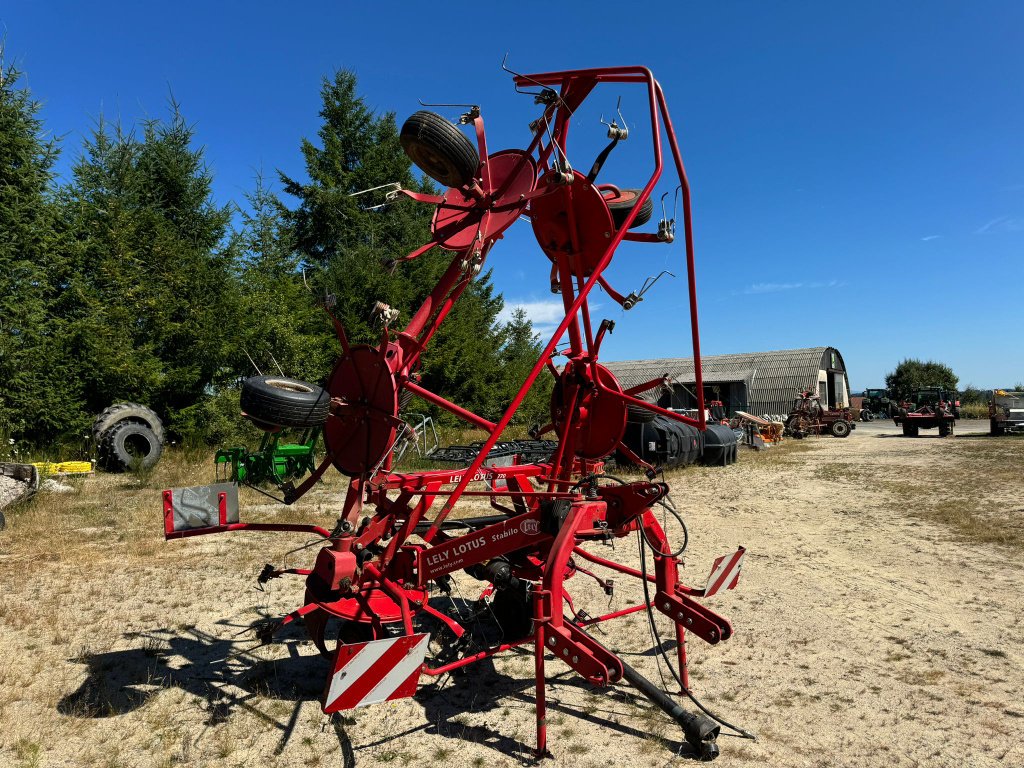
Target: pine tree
[(284, 326), (32, 400), (349, 239), (152, 288), (518, 356)]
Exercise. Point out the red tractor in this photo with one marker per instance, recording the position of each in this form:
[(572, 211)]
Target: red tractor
[(392, 551), (927, 409), (808, 417)]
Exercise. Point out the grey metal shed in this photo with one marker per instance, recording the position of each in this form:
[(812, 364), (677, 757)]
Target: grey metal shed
[(762, 383)]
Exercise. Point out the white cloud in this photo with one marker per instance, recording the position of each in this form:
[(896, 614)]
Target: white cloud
[(930, 237), (1001, 224), (758, 288), (545, 314)]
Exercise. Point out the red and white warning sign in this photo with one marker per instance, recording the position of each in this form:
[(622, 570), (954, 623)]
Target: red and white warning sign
[(379, 670), (725, 573)]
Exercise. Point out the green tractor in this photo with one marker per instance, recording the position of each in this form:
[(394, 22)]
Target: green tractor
[(877, 404)]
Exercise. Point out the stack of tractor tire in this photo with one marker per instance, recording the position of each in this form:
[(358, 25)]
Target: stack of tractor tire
[(127, 437)]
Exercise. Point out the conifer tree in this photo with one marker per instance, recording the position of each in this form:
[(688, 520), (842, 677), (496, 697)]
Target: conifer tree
[(152, 288), (283, 325), (518, 355), (32, 400), (350, 238)]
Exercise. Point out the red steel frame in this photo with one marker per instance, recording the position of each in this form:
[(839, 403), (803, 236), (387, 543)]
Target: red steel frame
[(377, 570)]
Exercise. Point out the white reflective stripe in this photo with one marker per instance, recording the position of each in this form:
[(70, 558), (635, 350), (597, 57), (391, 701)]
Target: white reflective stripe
[(720, 566), (356, 667), (723, 570), (398, 674)]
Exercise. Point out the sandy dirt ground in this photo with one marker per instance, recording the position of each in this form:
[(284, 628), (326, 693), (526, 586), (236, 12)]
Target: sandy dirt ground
[(868, 630)]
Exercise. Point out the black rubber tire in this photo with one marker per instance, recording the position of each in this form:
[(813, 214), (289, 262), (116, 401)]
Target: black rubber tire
[(129, 446), (133, 412), (284, 402), (3, 521), (625, 202), (439, 149), (840, 429), (995, 428), (638, 415)]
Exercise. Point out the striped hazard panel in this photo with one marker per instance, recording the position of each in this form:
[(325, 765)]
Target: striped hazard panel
[(380, 670), (725, 573)]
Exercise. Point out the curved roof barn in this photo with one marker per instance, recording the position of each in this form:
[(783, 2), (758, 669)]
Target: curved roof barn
[(759, 382)]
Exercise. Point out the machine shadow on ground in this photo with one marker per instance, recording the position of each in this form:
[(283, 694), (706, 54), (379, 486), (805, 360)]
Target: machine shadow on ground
[(226, 675)]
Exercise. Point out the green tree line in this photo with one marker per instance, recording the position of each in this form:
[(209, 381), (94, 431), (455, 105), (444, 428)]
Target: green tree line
[(127, 281)]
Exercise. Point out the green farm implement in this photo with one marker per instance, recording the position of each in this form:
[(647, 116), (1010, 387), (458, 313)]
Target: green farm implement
[(273, 462)]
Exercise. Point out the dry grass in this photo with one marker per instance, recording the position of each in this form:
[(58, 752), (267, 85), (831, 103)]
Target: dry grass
[(973, 490), (88, 582)]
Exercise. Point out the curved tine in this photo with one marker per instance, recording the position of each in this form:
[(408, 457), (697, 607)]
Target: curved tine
[(429, 104), (544, 88)]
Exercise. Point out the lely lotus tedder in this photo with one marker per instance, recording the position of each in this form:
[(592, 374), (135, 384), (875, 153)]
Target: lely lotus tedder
[(396, 542)]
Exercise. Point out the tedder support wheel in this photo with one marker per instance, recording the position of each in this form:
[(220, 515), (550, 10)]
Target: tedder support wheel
[(439, 149), (119, 412), (909, 430), (622, 203), (840, 429), (129, 445), (282, 402)]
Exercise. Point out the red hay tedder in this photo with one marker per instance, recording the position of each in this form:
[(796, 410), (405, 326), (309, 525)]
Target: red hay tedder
[(390, 548)]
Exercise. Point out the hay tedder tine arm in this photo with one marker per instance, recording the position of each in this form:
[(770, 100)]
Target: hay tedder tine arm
[(291, 495)]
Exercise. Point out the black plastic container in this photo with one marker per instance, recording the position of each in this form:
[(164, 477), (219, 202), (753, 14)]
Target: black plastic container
[(663, 442), (720, 446)]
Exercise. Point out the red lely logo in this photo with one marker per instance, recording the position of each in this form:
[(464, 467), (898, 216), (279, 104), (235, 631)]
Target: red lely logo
[(529, 527)]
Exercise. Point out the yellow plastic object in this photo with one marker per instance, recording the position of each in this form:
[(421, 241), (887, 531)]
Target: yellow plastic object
[(63, 467)]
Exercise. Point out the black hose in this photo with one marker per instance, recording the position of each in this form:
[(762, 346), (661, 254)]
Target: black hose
[(661, 650)]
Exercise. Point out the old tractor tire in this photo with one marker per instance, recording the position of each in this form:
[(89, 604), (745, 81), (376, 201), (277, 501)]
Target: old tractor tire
[(840, 429), (281, 402), (129, 445), (3, 521), (636, 414), (439, 149), (995, 428), (621, 204), (909, 430), (133, 412)]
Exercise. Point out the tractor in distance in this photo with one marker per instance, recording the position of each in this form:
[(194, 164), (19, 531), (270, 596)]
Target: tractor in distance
[(808, 417), (1006, 412), (929, 408), (877, 403)]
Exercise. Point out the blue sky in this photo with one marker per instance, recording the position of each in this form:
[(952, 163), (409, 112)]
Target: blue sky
[(857, 170)]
